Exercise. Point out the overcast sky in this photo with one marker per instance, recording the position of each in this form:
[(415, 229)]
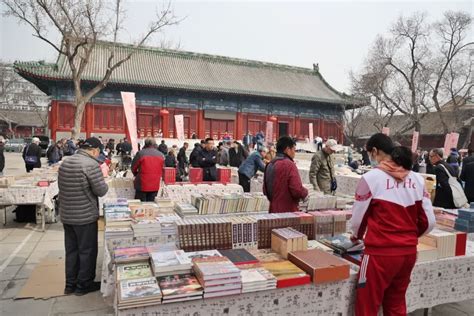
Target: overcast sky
[(335, 34)]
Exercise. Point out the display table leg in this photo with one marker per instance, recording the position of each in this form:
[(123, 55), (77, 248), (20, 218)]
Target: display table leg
[(427, 311)]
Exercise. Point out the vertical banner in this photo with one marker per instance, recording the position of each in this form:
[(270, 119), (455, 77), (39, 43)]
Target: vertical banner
[(386, 131), (128, 99), (414, 141), (447, 142), (453, 141), (311, 135), (269, 133), (179, 124)]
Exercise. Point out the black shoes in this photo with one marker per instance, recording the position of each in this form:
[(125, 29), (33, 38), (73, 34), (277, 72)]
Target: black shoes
[(95, 286), (69, 290)]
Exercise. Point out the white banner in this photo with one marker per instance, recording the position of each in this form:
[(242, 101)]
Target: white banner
[(128, 99), (414, 141), (269, 133), (311, 135), (179, 124), (386, 131)]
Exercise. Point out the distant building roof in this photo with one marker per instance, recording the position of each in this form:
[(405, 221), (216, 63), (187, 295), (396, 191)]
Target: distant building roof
[(172, 69)]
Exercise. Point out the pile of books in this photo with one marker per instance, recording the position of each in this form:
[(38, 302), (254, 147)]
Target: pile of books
[(218, 276), (286, 273), (286, 240), (185, 209), (168, 224), (130, 254), (342, 244), (180, 288), (138, 293), (323, 224), (340, 219), (170, 262), (314, 244), (446, 219), (257, 279), (165, 205), (195, 234), (426, 253), (117, 232), (230, 203), (134, 270), (268, 222), (117, 215), (239, 256), (244, 232), (445, 242), (320, 201), (306, 225), (143, 227), (465, 220), (182, 192)]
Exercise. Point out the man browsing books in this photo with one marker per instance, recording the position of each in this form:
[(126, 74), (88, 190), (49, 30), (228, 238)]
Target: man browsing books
[(250, 166), (81, 182)]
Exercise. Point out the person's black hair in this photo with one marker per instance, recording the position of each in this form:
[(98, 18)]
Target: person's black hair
[(381, 142), (197, 144), (402, 156), (283, 143), (208, 140), (203, 141)]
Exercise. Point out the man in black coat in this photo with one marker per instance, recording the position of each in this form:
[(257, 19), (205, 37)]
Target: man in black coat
[(467, 174), (182, 161), (207, 159), (163, 148), (444, 194), (2, 155), (32, 155), (193, 157), (237, 154)]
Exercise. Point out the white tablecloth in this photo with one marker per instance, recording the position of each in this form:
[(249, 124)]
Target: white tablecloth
[(432, 283)]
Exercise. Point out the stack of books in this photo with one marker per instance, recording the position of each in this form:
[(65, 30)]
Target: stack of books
[(145, 210), (239, 256), (314, 244), (230, 203), (286, 273), (461, 239), (170, 262), (244, 232), (182, 192), (130, 254), (180, 288), (445, 242), (168, 224), (319, 201), (340, 219), (265, 255), (306, 225), (165, 205), (117, 216), (202, 254), (138, 293), (321, 266), (446, 219), (136, 270), (323, 224), (426, 253), (257, 279), (118, 232), (195, 234), (143, 227), (465, 220), (185, 209), (218, 275), (285, 240), (268, 222), (342, 244)]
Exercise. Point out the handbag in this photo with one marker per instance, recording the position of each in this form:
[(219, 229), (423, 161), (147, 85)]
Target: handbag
[(459, 198), (30, 160)]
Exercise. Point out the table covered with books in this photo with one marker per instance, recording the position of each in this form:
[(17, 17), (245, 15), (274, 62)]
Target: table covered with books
[(39, 188), (211, 252)]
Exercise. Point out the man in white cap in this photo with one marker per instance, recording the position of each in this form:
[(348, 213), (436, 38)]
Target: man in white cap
[(32, 155), (321, 172)]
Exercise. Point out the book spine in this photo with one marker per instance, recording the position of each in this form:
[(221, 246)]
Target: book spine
[(234, 235), (239, 229)]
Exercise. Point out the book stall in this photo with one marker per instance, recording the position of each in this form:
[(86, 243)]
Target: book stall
[(38, 187), (207, 249)]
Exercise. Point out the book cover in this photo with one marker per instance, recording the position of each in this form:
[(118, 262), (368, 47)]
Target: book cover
[(214, 266), (133, 271), (131, 254), (238, 256), (287, 274), (342, 244), (146, 288), (179, 285)]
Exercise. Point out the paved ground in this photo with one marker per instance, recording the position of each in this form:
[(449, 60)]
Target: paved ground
[(22, 246)]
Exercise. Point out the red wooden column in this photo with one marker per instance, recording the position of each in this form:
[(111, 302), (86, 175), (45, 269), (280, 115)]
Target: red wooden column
[(165, 122), (53, 119), (274, 119), (89, 119), (200, 124), (239, 125), (297, 127)]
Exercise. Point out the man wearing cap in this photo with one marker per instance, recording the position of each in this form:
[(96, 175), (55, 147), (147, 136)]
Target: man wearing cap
[(81, 183), (32, 155), (321, 172)]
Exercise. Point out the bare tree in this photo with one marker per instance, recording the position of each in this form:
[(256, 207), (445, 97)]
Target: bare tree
[(81, 24), (451, 32)]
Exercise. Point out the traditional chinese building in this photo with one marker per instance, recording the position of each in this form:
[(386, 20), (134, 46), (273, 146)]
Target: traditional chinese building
[(214, 93)]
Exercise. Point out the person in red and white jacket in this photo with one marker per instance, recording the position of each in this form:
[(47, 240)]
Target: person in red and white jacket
[(392, 209)]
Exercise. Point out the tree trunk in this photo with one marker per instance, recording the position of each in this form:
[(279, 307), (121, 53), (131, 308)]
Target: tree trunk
[(80, 107), (467, 140)]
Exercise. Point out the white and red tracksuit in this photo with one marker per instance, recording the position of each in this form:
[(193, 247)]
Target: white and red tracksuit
[(392, 209)]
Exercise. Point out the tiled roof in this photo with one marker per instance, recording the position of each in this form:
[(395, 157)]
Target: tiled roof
[(161, 68)]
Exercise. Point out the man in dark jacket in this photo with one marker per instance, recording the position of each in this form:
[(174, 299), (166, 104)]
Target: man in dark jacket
[(70, 147), (32, 155), (207, 159), (250, 166), (193, 157), (282, 183), (183, 161), (118, 148), (237, 154), (467, 174), (81, 182), (444, 194), (163, 148), (54, 153), (126, 147), (247, 140), (147, 166), (2, 155)]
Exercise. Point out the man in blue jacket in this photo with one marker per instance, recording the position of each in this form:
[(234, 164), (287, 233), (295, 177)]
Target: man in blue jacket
[(250, 166)]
